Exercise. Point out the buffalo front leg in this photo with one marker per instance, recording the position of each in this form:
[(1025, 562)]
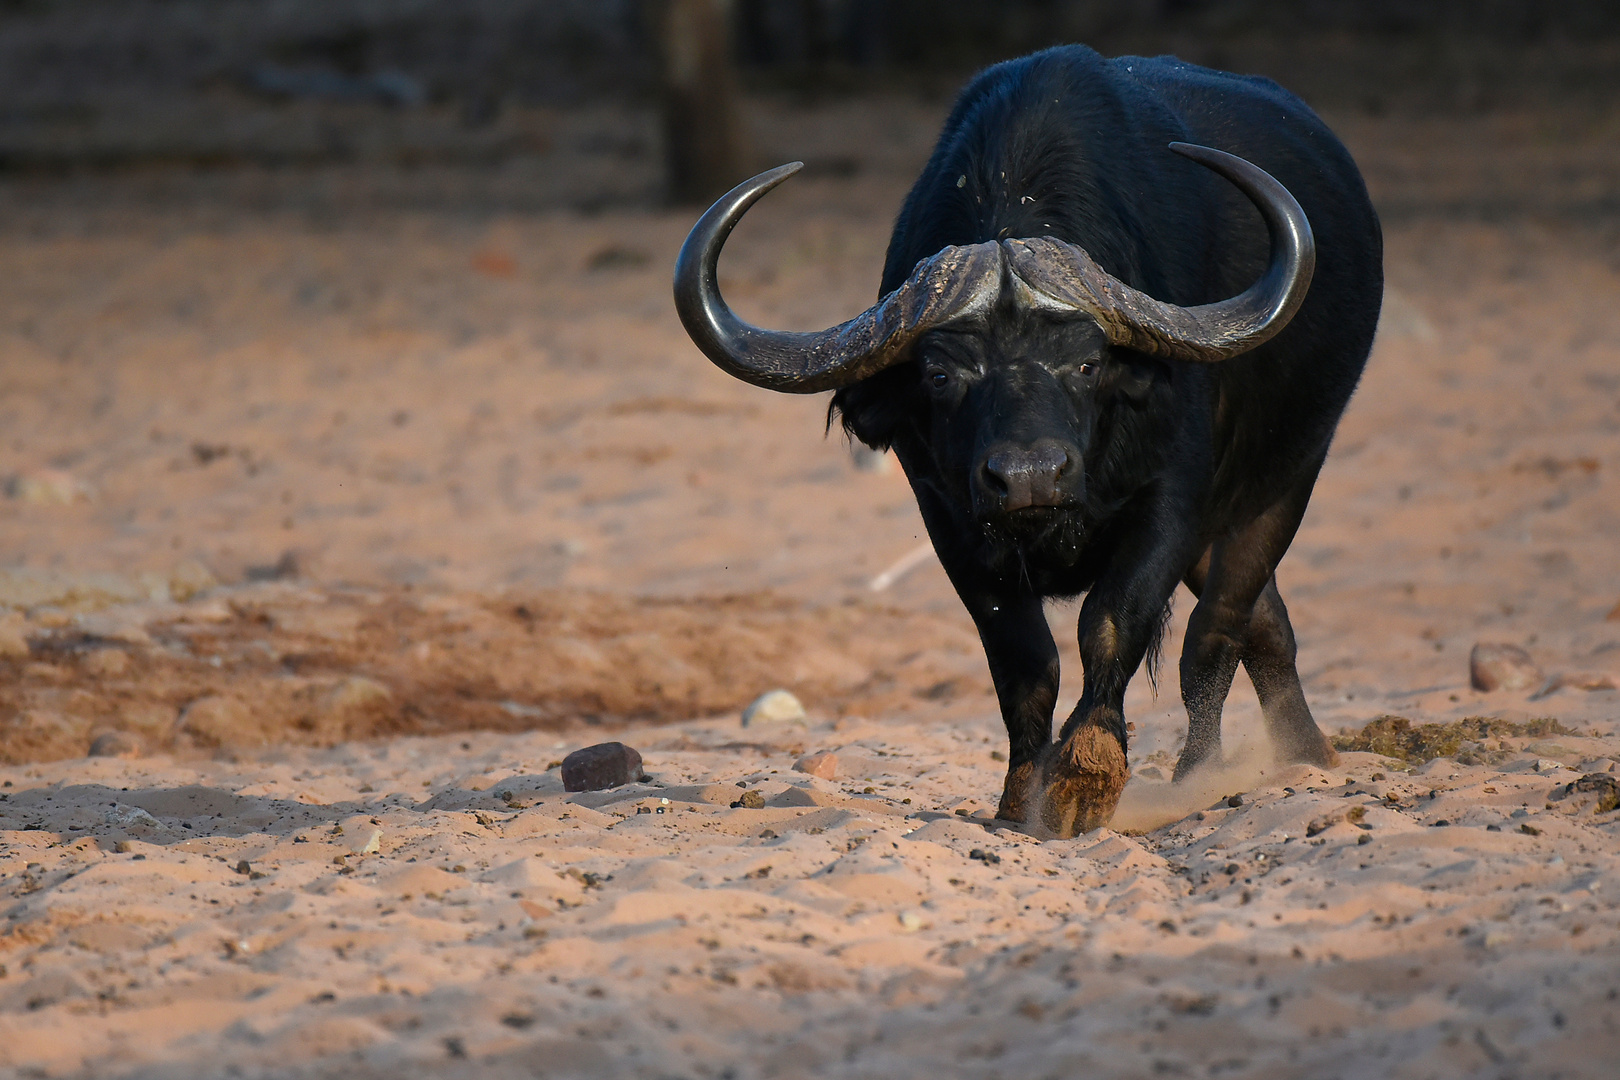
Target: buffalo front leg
[(1082, 775), (1023, 661), (1018, 647)]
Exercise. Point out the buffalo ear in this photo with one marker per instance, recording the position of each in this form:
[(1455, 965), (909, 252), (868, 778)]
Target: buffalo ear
[(1133, 378), (874, 409)]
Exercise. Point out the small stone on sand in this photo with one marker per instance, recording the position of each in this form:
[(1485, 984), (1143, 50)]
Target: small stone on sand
[(596, 768), (116, 744), (823, 764), (1502, 667), (361, 835), (772, 707), (214, 720)]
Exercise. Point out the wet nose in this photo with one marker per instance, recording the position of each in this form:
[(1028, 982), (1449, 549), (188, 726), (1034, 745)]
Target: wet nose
[(1016, 477)]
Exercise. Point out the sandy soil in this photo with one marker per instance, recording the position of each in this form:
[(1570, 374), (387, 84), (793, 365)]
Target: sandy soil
[(439, 907), (346, 501)]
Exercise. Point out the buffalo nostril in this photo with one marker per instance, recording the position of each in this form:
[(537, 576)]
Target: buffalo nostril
[(996, 474), (1010, 478)]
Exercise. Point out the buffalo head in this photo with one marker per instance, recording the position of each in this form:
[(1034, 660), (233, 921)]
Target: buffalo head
[(1018, 347)]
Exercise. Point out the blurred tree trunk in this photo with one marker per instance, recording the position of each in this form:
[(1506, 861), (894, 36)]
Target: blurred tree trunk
[(705, 149)]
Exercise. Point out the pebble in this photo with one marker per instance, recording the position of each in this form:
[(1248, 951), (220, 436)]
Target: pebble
[(361, 835), (190, 579), (823, 764), (750, 800), (354, 705), (117, 744), (49, 487), (910, 921), (215, 720), (773, 707), (1502, 667), (599, 767)]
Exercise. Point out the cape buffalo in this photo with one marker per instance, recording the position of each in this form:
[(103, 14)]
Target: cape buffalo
[(1103, 373)]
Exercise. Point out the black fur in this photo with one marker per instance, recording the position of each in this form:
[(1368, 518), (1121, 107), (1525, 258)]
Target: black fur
[(1195, 472)]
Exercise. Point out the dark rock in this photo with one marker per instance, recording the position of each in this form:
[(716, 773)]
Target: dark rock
[(1502, 667), (119, 744), (596, 768), (751, 800)]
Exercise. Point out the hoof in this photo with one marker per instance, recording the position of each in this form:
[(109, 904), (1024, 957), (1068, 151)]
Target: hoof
[(1186, 766), (1079, 784), (1307, 750), (1016, 792), (1328, 759)]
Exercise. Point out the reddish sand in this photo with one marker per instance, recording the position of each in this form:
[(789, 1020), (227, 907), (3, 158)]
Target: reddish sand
[(297, 500)]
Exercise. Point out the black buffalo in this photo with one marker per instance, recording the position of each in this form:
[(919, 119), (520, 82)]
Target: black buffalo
[(1072, 429)]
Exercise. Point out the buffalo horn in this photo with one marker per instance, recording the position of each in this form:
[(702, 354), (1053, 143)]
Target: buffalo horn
[(956, 283), (1057, 276)]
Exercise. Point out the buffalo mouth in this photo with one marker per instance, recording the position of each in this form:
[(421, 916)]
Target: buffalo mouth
[(1036, 533)]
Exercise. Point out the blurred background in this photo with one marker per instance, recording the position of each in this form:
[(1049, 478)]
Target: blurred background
[(494, 85)]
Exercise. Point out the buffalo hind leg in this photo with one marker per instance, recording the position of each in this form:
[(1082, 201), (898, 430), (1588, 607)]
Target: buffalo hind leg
[(1269, 658), (1240, 617)]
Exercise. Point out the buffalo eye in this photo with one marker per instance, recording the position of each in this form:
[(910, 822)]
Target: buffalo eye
[(939, 380), (1088, 369)]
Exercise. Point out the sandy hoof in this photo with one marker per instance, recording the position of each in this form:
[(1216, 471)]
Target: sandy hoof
[(1016, 792), (1079, 785), (1318, 752)]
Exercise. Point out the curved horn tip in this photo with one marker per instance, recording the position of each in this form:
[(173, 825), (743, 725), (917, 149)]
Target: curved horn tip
[(771, 177), (746, 194), (1201, 154)]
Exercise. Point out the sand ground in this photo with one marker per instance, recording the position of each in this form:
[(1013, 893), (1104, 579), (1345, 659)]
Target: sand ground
[(342, 503)]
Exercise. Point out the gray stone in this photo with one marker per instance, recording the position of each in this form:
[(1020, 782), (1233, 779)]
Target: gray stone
[(773, 707), (596, 768), (118, 744), (216, 720), (1502, 667)]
